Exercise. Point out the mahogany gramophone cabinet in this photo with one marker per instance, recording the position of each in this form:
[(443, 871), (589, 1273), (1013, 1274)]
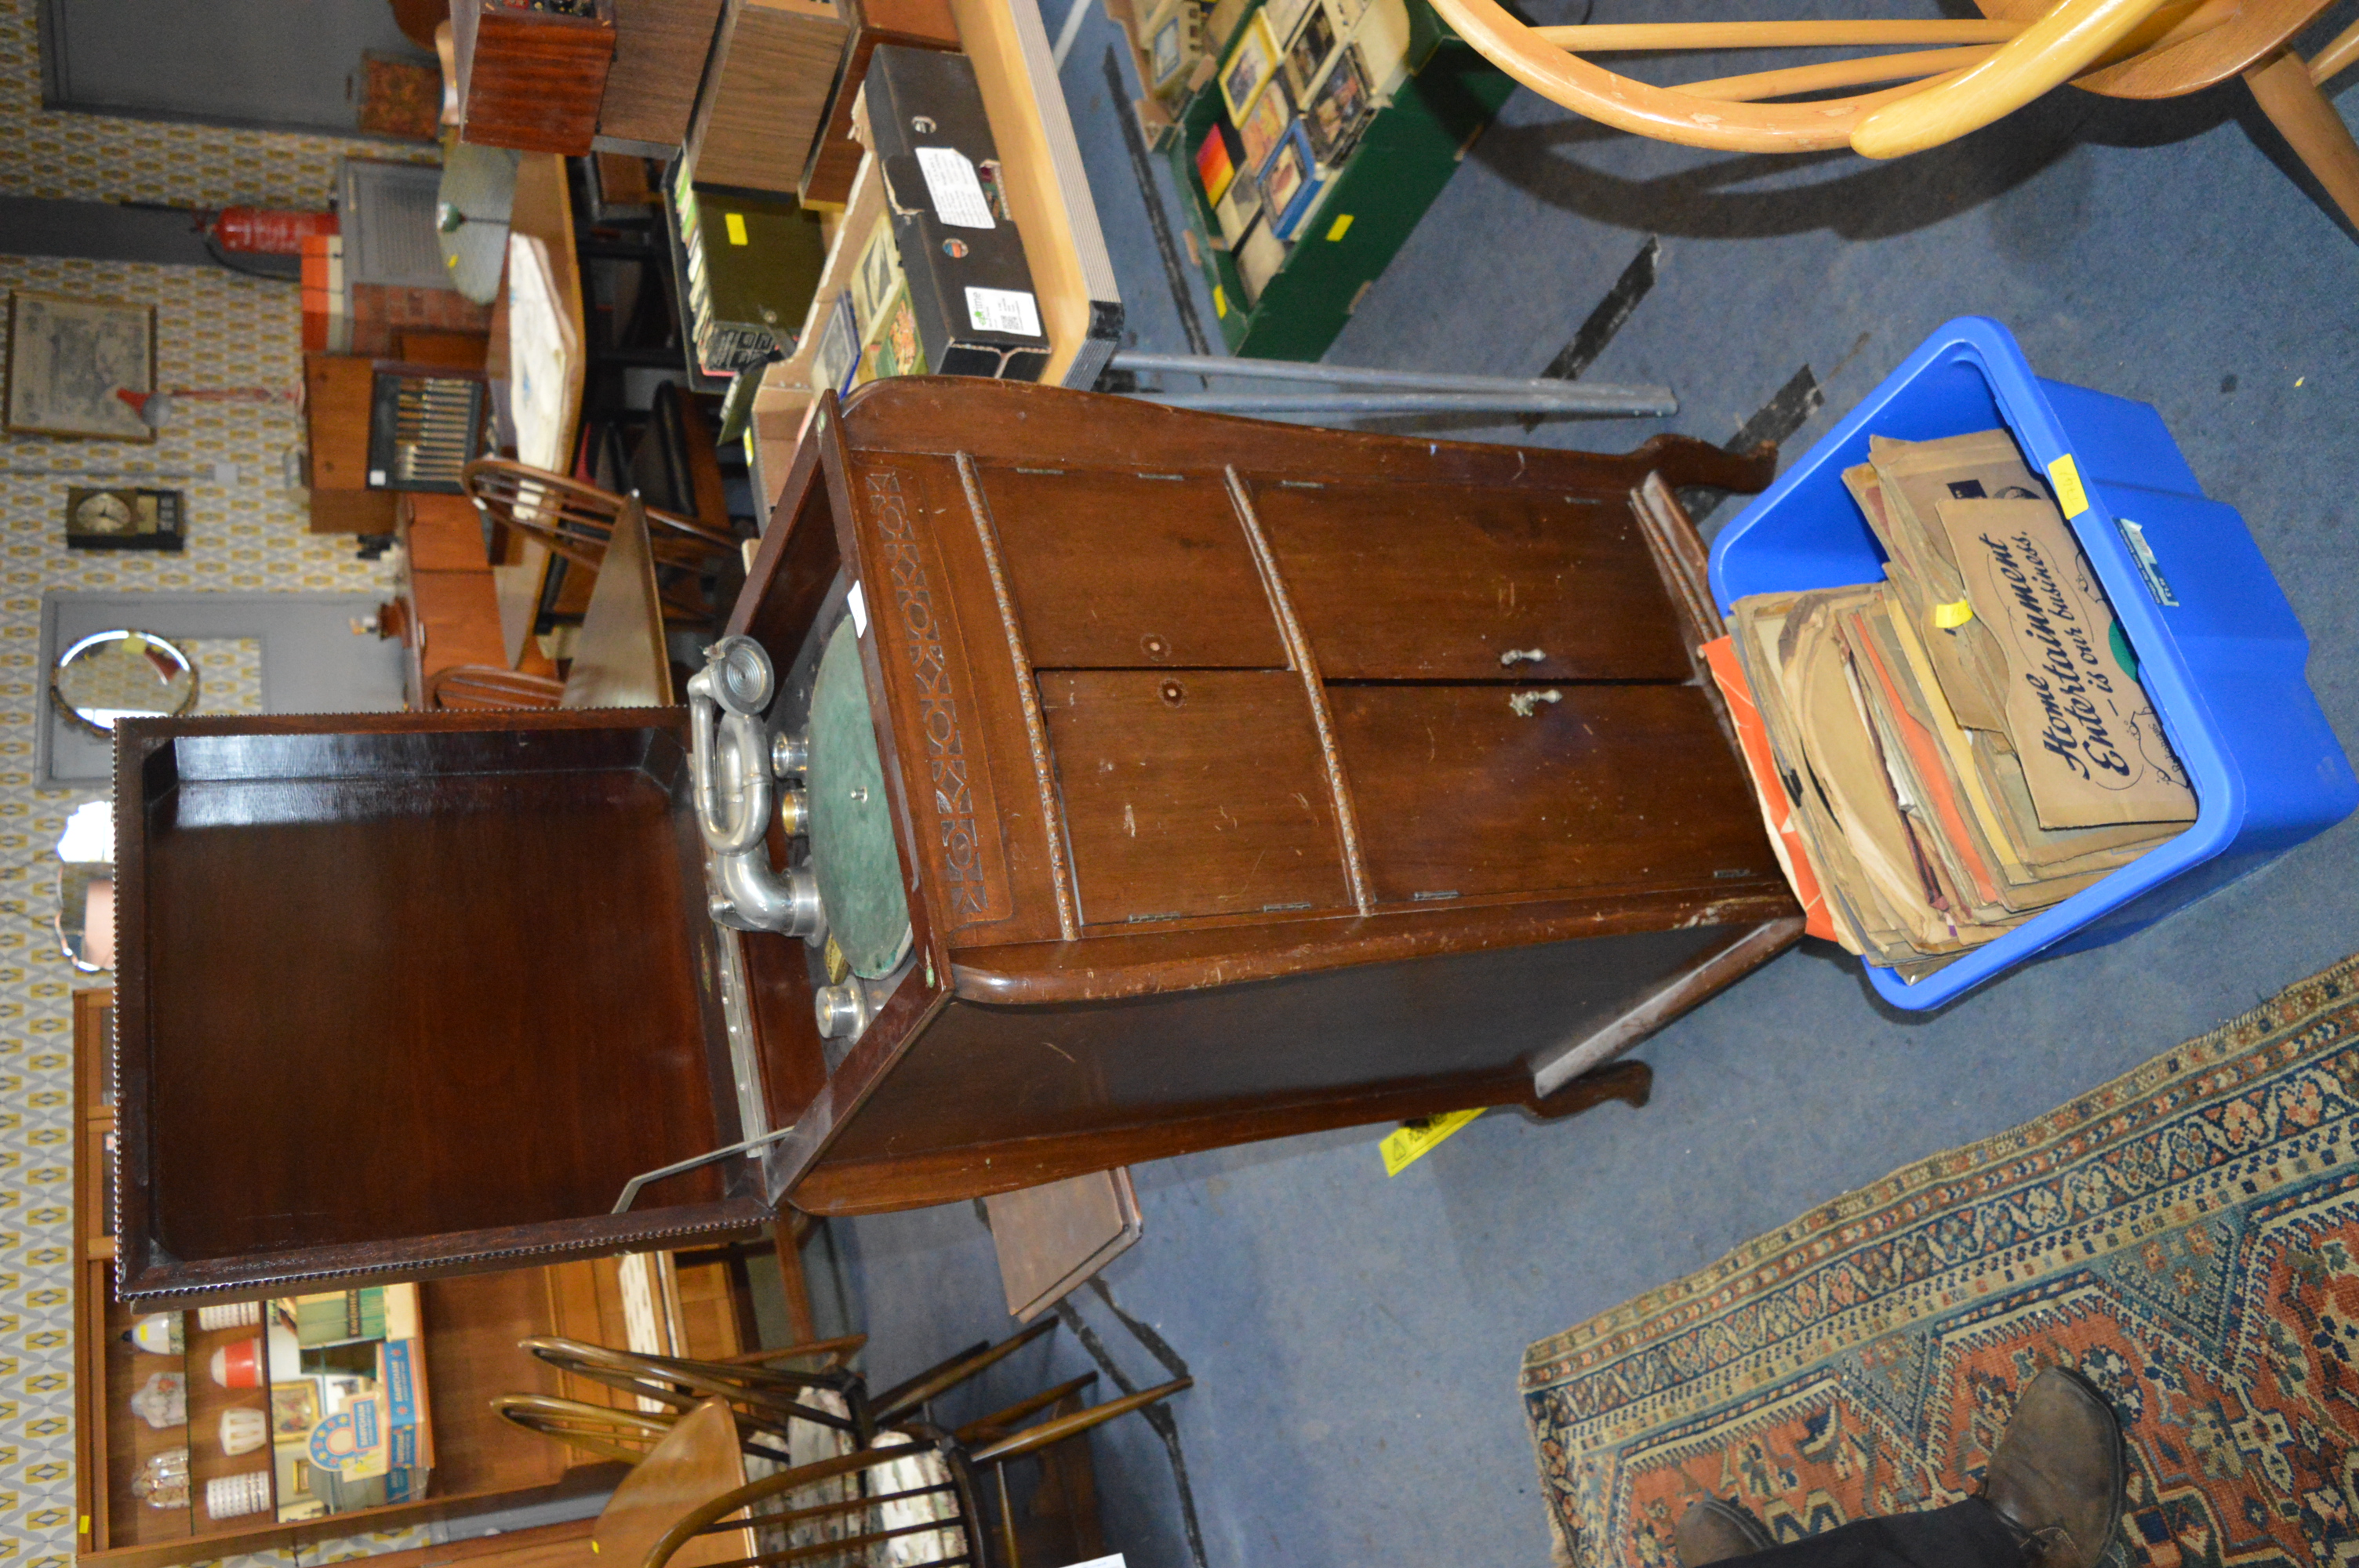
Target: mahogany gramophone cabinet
[(1083, 782)]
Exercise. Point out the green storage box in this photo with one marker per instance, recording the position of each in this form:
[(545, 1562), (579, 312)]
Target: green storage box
[(1402, 160)]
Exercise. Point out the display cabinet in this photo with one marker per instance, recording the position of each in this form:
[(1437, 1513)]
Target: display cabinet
[(1245, 780), (471, 1326)]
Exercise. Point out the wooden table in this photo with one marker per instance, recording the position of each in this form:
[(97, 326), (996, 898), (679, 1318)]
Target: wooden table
[(544, 210), (620, 660), (696, 1464)]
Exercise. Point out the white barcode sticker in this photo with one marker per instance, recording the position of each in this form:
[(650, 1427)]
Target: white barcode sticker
[(1003, 310), (857, 602), (957, 193)]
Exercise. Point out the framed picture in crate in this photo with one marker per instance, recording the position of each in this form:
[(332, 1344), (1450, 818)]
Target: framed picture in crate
[(1308, 52), (69, 358), (1249, 68)]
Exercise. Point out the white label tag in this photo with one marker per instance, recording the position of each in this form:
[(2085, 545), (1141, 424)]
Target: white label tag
[(1003, 310), (957, 193), (857, 603)]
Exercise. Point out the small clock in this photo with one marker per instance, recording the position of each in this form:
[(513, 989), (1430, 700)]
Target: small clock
[(103, 512), (126, 519)]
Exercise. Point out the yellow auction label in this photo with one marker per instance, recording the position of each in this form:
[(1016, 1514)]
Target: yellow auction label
[(1949, 617), (737, 221), (1220, 301), (2064, 475), (1416, 1139), (1341, 227)]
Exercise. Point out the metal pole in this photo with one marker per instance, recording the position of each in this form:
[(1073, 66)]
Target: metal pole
[(1596, 401), (631, 1188), (1351, 375)]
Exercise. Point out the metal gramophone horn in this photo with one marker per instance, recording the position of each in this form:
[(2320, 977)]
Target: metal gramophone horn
[(731, 761)]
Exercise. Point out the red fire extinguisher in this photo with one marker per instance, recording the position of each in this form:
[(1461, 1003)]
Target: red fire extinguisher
[(267, 231)]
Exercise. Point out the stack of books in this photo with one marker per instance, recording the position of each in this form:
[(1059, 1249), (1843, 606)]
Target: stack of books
[(1945, 753)]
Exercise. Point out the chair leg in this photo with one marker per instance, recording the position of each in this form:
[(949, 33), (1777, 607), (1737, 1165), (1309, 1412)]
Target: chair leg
[(836, 1352), (1007, 1521), (935, 1379), (2310, 127), (787, 1237), (1059, 1428)]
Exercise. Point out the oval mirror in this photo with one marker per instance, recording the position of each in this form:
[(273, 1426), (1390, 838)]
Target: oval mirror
[(121, 674), (85, 919)]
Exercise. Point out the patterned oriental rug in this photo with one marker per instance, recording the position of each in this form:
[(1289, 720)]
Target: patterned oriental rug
[(2186, 1236)]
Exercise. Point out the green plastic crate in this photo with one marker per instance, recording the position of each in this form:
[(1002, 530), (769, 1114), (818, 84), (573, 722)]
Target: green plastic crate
[(1404, 158)]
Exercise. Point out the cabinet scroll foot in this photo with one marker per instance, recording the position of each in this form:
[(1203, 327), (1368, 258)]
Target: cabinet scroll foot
[(1629, 1082)]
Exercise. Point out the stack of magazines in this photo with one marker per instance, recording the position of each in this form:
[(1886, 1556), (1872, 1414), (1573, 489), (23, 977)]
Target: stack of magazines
[(1945, 753)]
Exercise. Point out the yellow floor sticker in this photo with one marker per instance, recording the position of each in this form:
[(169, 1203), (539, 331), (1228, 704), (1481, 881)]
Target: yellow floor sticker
[(1416, 1139)]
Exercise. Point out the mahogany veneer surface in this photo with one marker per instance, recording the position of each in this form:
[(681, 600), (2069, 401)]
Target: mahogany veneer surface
[(405, 994), (1222, 814)]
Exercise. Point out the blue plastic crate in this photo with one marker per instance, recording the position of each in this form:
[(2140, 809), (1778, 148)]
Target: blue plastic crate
[(2222, 659)]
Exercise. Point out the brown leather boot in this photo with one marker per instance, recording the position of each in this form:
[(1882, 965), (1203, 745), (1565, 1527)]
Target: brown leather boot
[(1713, 1531), (2056, 1478)]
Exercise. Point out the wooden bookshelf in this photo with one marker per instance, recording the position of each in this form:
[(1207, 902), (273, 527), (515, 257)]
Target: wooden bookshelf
[(471, 1321), (471, 1324)]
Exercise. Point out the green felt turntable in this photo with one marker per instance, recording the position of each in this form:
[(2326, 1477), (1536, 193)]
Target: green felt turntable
[(850, 828)]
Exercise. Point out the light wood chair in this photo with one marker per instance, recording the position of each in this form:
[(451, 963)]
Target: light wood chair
[(576, 520), (1974, 72), (481, 686)]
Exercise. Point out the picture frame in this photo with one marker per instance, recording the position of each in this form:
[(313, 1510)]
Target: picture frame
[(1338, 112), (1311, 48), (1175, 39), (294, 1408), (1216, 160), (1264, 126), (67, 357), (1251, 66), (1284, 17), (876, 278), (1237, 208), (1259, 255), (1289, 182)]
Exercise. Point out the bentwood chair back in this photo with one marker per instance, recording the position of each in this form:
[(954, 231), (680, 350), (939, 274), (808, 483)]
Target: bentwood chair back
[(1976, 71), (478, 687), (576, 520), (766, 1397), (906, 1502)]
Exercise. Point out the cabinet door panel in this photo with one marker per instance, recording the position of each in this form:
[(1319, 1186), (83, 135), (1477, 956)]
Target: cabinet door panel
[(1436, 582), (1115, 570), (1456, 794), (1196, 793)]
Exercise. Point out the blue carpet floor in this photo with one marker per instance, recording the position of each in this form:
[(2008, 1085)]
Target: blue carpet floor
[(1355, 1339)]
